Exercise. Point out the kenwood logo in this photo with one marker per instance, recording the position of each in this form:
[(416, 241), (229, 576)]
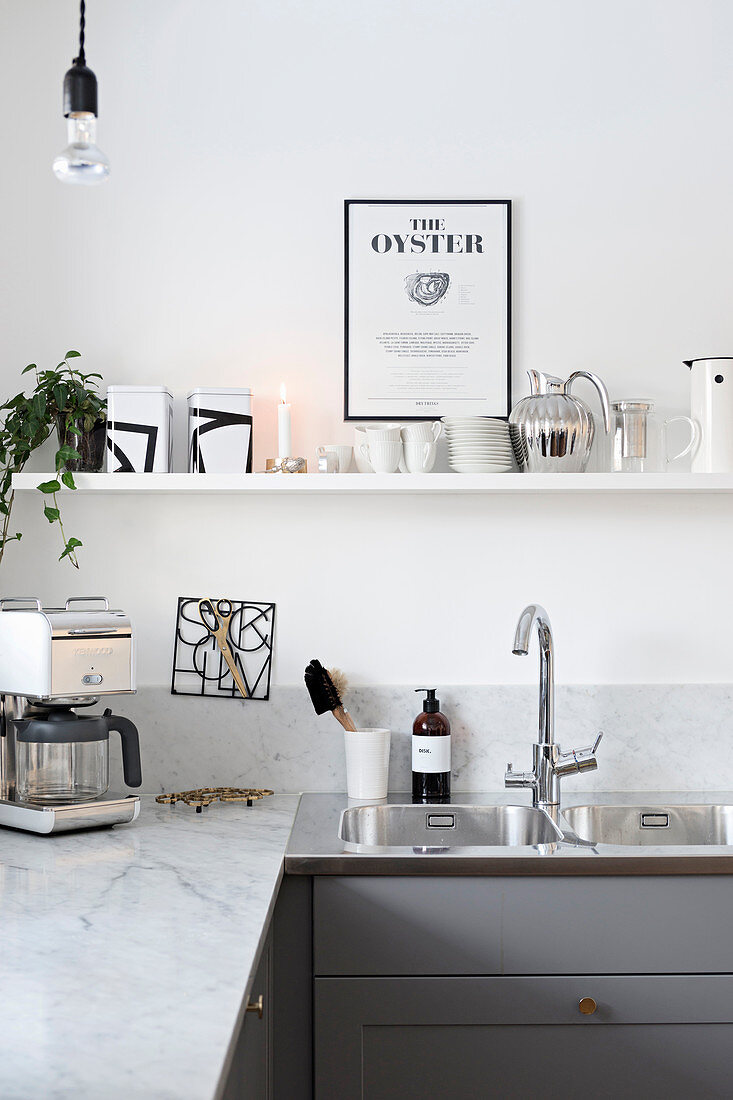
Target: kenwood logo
[(93, 651)]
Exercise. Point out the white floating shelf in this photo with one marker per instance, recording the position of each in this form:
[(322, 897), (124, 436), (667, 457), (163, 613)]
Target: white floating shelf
[(380, 484)]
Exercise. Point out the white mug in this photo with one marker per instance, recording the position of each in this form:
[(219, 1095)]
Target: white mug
[(427, 431), (383, 454), (419, 457), (386, 433), (342, 451), (363, 464)]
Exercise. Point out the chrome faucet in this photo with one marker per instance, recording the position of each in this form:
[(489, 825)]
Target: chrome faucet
[(550, 764)]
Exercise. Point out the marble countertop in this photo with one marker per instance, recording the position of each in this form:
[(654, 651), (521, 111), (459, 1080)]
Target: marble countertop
[(126, 953)]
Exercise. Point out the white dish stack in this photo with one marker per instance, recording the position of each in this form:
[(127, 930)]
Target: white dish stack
[(139, 429), (478, 445)]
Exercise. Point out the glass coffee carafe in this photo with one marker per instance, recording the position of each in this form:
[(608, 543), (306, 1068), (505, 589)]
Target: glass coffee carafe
[(639, 443), (62, 757)]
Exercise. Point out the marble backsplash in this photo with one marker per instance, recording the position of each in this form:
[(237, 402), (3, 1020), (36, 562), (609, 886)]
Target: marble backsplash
[(656, 737)]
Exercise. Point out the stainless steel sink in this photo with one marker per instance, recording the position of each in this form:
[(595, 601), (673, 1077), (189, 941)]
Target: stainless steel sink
[(651, 825), (430, 827)]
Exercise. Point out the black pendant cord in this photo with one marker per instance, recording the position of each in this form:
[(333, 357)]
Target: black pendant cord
[(81, 59), (80, 83)]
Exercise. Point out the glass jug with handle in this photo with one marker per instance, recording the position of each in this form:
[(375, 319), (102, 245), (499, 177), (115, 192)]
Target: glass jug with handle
[(640, 441)]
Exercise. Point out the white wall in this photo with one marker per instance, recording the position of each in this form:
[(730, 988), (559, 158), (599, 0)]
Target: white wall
[(214, 254)]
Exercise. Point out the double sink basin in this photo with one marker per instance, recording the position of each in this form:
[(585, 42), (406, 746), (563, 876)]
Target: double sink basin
[(437, 827)]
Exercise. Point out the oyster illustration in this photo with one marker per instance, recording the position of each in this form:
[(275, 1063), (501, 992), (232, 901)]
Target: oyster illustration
[(427, 287)]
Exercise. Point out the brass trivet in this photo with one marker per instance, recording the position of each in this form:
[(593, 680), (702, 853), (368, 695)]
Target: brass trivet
[(204, 796)]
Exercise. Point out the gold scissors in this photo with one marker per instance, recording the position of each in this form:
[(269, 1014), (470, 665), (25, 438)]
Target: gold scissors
[(216, 616)]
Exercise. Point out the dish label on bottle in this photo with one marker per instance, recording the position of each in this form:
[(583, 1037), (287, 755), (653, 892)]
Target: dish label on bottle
[(431, 754)]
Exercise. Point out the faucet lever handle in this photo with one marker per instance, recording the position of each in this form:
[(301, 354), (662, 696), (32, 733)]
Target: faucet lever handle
[(577, 760), (519, 779)]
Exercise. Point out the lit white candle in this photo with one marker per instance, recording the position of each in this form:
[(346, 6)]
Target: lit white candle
[(284, 441)]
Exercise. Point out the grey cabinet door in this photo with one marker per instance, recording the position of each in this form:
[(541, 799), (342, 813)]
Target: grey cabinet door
[(655, 1038), (250, 1072), (382, 925)]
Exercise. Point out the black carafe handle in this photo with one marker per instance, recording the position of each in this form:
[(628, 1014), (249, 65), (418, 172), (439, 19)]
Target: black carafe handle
[(131, 766)]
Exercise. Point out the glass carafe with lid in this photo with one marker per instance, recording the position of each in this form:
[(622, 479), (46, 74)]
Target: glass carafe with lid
[(62, 757), (639, 443)]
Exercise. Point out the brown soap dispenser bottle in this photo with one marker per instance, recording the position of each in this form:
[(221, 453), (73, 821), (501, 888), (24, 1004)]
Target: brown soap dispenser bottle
[(430, 752)]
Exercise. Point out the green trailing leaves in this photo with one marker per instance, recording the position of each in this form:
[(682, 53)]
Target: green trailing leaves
[(49, 487), (64, 400), (66, 454), (69, 551)]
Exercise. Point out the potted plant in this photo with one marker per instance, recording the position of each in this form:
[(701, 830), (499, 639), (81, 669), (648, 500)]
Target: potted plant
[(64, 400)]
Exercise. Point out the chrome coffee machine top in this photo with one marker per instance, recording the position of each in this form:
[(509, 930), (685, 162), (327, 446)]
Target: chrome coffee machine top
[(54, 763)]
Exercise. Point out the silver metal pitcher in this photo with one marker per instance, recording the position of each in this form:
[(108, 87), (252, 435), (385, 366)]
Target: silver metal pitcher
[(551, 430)]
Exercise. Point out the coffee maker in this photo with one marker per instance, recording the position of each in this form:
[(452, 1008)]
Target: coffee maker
[(54, 763)]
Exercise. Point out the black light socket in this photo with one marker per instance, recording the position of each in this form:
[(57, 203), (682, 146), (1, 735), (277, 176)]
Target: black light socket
[(80, 90)]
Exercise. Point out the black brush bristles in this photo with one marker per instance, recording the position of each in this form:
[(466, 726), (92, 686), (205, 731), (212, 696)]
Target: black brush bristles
[(321, 688)]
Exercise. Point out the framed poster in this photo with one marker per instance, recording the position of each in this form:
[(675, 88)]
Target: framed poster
[(428, 308)]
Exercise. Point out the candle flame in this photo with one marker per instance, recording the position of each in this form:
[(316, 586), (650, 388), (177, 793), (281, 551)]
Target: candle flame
[(283, 393)]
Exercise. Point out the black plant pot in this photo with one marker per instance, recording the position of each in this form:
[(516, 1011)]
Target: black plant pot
[(90, 445)]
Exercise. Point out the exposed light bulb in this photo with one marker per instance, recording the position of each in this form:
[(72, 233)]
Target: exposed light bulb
[(81, 162)]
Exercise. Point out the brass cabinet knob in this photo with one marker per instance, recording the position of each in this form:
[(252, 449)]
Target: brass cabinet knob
[(586, 1005), (258, 1006)]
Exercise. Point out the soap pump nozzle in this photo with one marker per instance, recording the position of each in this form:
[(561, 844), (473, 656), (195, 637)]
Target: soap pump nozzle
[(431, 705)]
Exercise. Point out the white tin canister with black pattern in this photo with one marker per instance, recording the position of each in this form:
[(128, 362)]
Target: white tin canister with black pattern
[(220, 431), (139, 429)]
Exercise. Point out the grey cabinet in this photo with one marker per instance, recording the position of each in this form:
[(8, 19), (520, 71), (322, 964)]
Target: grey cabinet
[(250, 1071), (416, 1038), (271, 1057), (663, 924), (471, 987)]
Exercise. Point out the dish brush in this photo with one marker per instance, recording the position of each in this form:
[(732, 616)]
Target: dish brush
[(325, 687)]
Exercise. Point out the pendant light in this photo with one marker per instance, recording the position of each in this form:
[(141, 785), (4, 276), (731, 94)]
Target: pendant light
[(81, 161)]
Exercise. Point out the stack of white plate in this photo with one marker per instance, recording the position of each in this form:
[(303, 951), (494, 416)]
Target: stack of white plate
[(478, 445)]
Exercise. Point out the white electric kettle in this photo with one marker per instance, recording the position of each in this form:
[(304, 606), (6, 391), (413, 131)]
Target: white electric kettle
[(711, 405)]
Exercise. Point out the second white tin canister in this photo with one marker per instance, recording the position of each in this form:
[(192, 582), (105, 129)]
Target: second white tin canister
[(220, 431), (139, 429)]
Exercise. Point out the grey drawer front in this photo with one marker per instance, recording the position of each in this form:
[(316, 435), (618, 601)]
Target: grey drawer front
[(408, 1038), (389, 925)]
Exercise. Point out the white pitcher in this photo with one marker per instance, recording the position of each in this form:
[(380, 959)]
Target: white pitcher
[(711, 405)]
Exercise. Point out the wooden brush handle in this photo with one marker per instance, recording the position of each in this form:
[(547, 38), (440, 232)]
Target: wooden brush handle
[(344, 718)]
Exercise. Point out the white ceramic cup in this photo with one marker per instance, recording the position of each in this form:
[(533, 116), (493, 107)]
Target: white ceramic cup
[(383, 454), (343, 452), (419, 457), (385, 433), (427, 431), (363, 464), (367, 763)]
